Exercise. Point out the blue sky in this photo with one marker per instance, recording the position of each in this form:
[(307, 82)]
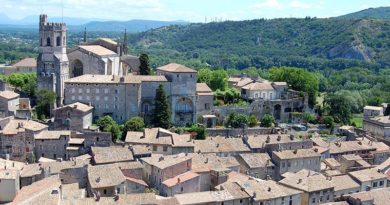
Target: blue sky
[(194, 10)]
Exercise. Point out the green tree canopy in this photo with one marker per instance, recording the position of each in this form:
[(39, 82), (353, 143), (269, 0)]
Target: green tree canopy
[(252, 121), (299, 79), (339, 107), (133, 124), (267, 120), (144, 67), (215, 79), (162, 114), (235, 120), (107, 124), (45, 101)]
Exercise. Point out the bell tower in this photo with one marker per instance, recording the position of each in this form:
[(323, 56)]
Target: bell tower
[(52, 63)]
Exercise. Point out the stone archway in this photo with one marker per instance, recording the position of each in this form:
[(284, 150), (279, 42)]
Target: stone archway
[(184, 111), (277, 111), (77, 68)]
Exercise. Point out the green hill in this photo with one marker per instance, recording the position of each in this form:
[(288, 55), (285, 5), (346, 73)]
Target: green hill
[(310, 43), (372, 13)]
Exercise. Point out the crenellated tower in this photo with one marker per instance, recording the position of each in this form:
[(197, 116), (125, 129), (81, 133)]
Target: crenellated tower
[(52, 63)]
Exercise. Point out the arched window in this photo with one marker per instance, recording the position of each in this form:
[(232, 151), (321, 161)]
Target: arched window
[(48, 41), (63, 41), (58, 41), (41, 42), (77, 68)]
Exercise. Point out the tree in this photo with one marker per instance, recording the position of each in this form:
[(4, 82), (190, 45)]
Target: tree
[(235, 120), (162, 114), (252, 120), (218, 80), (144, 67), (339, 107), (308, 117), (45, 101), (133, 124), (104, 123), (299, 79), (25, 82), (107, 124), (267, 120), (328, 121)]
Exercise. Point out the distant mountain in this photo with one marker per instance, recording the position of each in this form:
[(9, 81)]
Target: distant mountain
[(372, 13), (309, 43), (34, 20), (77, 24), (132, 26)]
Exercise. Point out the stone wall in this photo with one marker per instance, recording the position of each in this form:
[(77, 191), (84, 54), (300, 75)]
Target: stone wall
[(230, 132)]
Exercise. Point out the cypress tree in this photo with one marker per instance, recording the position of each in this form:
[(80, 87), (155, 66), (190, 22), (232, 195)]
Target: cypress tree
[(144, 67), (162, 115)]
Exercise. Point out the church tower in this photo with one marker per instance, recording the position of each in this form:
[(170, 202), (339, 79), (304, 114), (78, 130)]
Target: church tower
[(52, 63)]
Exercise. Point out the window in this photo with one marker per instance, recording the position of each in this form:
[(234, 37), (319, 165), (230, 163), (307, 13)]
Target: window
[(313, 200), (116, 98), (73, 97), (118, 190), (104, 191), (88, 98), (58, 41), (375, 184), (116, 91), (97, 97), (48, 41), (177, 75), (80, 90), (105, 98), (181, 189), (54, 156), (87, 90), (73, 90), (381, 183), (116, 107), (165, 148), (154, 148), (105, 90), (80, 97), (97, 90), (207, 106), (54, 147)]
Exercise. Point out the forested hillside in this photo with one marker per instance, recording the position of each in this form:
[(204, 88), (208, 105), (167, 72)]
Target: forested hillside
[(373, 13), (309, 43)]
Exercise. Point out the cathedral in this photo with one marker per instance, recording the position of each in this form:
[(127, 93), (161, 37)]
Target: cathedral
[(56, 63), (101, 74)]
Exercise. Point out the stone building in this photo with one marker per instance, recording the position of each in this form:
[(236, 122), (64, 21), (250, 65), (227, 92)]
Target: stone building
[(76, 116), (258, 165), (109, 155), (369, 179), (316, 188), (17, 138), (266, 98), (9, 184), (105, 180), (55, 65), (221, 146), (52, 63), (379, 126), (296, 160), (131, 95), (275, 142), (51, 144), (160, 168), (9, 103), (161, 141)]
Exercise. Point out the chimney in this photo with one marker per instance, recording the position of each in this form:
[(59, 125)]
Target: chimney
[(299, 181), (316, 149), (291, 137), (98, 180), (279, 138), (268, 139), (122, 79), (269, 189), (206, 161), (254, 195), (295, 151), (161, 159), (178, 180)]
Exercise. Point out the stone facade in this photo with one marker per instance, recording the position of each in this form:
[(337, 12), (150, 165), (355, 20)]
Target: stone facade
[(129, 96), (75, 116), (52, 63)]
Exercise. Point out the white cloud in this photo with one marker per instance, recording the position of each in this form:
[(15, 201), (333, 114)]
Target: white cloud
[(268, 4), (299, 5)]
